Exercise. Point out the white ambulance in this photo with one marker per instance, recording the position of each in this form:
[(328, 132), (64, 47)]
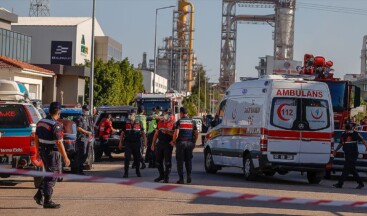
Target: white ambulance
[(273, 124)]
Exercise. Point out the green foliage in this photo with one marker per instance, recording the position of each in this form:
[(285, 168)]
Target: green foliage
[(191, 102), (115, 83)]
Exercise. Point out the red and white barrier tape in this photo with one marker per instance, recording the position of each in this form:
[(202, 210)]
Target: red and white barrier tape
[(186, 189)]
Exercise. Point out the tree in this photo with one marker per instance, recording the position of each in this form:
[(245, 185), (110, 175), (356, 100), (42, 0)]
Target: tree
[(115, 83)]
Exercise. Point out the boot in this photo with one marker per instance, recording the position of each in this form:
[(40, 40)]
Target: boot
[(138, 174), (143, 166), (50, 204), (161, 175), (360, 186), (166, 174), (38, 197), (126, 174), (181, 180), (188, 179)]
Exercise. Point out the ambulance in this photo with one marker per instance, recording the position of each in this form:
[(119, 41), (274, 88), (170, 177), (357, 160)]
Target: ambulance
[(273, 124)]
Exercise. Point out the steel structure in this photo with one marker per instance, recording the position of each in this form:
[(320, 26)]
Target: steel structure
[(182, 53), (282, 21), (364, 57), (39, 8)]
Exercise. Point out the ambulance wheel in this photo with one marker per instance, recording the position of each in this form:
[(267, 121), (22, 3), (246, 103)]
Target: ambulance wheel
[(248, 168), (269, 173), (209, 163), (37, 180), (314, 177)]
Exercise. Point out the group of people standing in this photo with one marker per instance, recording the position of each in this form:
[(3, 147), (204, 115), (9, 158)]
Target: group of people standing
[(163, 134)]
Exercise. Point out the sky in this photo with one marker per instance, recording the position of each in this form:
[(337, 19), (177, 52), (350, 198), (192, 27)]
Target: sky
[(335, 35)]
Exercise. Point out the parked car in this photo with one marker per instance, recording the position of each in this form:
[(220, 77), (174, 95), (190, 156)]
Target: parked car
[(71, 114), (18, 120), (119, 116)]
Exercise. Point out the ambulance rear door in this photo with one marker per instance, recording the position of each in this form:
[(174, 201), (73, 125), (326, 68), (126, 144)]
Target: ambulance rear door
[(316, 116), (283, 137)]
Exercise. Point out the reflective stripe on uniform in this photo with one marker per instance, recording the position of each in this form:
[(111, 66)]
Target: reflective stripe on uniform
[(48, 121), (47, 141)]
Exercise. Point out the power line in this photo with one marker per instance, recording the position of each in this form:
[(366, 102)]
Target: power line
[(330, 8)]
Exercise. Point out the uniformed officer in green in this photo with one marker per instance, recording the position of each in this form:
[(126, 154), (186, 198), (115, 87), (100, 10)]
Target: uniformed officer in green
[(152, 125), (143, 119)]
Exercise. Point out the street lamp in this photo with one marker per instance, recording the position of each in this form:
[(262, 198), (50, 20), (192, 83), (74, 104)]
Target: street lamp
[(155, 42), (91, 84)]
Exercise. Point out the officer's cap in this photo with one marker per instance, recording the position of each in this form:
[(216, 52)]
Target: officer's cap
[(183, 110), (158, 108), (55, 106), (85, 107), (133, 111)]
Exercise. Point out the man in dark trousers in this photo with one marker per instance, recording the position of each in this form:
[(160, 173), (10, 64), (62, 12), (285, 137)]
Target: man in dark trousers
[(184, 137), (83, 133), (163, 148), (104, 130), (130, 137), (48, 140), (349, 141)]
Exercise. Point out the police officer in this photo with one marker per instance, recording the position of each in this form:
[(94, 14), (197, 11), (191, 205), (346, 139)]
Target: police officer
[(48, 140), (163, 149), (184, 137), (130, 136), (350, 147), (105, 129), (83, 133), (152, 125), (143, 119)]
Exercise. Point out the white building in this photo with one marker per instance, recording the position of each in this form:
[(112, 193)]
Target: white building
[(59, 40), (161, 83), (61, 43)]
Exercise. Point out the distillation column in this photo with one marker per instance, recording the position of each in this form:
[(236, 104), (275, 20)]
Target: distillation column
[(182, 54)]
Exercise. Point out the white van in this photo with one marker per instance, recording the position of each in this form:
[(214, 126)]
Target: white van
[(273, 124)]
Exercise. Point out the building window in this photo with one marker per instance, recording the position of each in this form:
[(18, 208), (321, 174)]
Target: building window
[(33, 93), (80, 99)]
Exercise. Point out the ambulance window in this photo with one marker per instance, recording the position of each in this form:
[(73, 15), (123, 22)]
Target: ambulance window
[(316, 113), (221, 110), (284, 112)]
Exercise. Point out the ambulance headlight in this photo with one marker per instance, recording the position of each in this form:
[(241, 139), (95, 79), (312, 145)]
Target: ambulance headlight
[(360, 156)]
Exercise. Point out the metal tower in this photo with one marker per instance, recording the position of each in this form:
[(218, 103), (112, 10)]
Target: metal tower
[(39, 8), (364, 57), (182, 47), (282, 21)]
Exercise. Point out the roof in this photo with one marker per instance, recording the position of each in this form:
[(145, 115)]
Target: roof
[(6, 62), (51, 21)]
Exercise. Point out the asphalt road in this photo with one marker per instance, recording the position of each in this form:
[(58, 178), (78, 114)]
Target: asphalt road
[(82, 198)]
